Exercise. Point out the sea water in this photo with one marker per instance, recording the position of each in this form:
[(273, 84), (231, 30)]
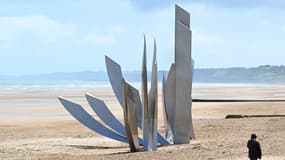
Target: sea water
[(101, 84), (52, 84), (52, 89), (26, 85)]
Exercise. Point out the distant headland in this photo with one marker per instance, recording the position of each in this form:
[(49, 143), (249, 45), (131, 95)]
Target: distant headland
[(260, 74)]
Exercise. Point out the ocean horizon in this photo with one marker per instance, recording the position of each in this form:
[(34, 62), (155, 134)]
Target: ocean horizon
[(105, 84), (41, 94)]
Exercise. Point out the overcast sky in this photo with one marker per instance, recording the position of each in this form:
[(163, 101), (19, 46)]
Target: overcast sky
[(72, 35)]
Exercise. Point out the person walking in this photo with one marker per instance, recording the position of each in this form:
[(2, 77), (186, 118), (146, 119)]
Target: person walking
[(254, 149)]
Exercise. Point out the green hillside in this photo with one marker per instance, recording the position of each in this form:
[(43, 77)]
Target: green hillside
[(261, 74)]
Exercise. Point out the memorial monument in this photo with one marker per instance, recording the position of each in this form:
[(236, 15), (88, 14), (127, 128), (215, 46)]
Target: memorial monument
[(141, 112)]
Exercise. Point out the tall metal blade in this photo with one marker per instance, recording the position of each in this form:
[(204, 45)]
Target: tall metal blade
[(165, 117), (144, 91), (170, 95), (167, 128), (138, 105), (183, 127), (130, 117), (86, 119), (152, 104), (182, 16)]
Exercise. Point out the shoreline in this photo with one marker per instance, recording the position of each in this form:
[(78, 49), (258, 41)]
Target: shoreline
[(43, 129)]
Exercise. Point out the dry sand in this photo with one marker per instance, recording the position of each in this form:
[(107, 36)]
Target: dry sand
[(33, 125)]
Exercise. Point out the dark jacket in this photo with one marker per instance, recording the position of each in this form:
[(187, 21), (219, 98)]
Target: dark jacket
[(254, 149)]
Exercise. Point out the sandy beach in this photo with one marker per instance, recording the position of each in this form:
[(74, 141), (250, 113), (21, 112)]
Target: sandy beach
[(34, 125)]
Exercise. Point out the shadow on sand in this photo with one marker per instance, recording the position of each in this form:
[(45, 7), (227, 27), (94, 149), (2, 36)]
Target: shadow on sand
[(91, 147)]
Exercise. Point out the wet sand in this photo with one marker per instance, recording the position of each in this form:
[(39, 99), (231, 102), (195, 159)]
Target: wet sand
[(34, 125)]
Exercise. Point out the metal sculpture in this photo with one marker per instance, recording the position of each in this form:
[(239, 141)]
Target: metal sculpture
[(141, 112), (182, 128), (115, 69)]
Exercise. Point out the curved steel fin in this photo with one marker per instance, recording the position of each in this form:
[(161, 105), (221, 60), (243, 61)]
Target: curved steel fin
[(102, 111), (86, 119), (116, 77)]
